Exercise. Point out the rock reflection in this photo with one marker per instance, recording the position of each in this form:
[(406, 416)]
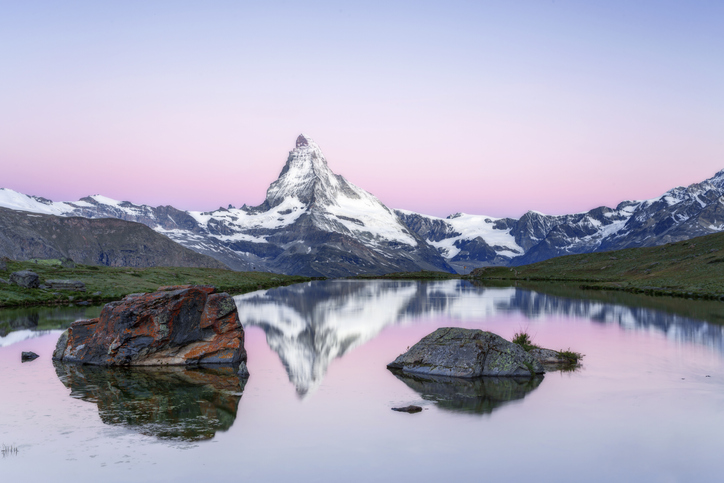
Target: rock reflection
[(477, 396), (171, 403), (311, 324)]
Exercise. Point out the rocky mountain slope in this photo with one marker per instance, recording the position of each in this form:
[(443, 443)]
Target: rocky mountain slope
[(110, 242), (316, 223), (475, 240), (313, 222)]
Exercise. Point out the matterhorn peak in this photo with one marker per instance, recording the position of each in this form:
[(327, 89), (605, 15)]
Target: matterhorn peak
[(303, 140)]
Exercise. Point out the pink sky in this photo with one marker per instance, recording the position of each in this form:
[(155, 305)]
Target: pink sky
[(479, 108)]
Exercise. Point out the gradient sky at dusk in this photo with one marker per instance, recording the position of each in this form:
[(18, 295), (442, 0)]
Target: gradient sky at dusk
[(487, 107)]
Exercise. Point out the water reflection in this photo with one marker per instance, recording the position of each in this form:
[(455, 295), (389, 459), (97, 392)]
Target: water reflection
[(172, 403), (23, 323), (478, 396), (309, 325)]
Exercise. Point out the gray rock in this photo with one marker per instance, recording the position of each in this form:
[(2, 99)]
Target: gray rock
[(455, 352), (67, 263), (550, 359), (25, 278), (3, 264), (28, 356), (7, 282), (75, 285)]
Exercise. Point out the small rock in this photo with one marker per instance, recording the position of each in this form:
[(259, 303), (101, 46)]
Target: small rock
[(25, 278), (3, 264), (408, 409), (43, 286), (28, 356), (7, 282), (97, 293), (75, 285), (67, 263)]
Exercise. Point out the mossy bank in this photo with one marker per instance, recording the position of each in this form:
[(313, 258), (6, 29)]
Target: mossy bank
[(693, 268), (104, 284)]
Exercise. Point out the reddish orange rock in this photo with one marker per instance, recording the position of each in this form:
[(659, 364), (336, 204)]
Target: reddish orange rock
[(178, 325)]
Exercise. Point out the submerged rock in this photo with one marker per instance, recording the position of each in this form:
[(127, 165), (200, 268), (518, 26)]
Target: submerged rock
[(408, 409), (25, 279), (553, 360), (456, 352), (178, 325), (28, 356)]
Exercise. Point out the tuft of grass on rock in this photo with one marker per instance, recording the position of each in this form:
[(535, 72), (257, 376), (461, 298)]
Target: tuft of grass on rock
[(523, 339), (573, 358)]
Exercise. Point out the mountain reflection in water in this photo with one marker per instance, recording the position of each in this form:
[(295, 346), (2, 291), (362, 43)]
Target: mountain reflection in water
[(172, 403), (309, 325), (479, 396)]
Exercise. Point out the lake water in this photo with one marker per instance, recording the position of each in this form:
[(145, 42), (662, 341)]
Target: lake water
[(647, 405)]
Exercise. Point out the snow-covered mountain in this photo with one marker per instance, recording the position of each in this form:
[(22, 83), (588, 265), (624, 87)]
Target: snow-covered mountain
[(475, 240), (314, 222)]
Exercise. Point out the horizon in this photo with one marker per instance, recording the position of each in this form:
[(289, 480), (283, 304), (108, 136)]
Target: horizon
[(221, 207), (479, 108)]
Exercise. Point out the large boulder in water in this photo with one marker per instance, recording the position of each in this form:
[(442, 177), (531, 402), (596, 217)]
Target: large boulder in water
[(455, 352), (179, 325)]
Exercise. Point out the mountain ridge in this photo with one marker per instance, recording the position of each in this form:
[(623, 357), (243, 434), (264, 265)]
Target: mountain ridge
[(314, 222)]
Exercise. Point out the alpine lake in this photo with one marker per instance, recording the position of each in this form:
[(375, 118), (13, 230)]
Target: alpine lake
[(647, 403)]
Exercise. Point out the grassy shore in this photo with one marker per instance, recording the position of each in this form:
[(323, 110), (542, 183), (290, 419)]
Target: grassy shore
[(104, 284), (694, 268), (421, 275)]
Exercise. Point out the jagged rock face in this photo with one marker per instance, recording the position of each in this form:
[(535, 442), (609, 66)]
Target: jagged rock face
[(468, 353), (180, 325)]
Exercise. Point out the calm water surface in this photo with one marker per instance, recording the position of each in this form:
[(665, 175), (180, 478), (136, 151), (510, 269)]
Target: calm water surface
[(647, 405)]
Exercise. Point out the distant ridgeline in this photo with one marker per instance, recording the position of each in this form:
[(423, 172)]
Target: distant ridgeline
[(316, 223)]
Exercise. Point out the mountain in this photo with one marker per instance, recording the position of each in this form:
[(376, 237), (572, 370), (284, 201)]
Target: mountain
[(475, 240), (316, 223), (110, 242), (313, 222)]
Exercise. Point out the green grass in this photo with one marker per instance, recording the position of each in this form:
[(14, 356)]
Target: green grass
[(114, 283), (570, 356), (694, 268), (523, 339)]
